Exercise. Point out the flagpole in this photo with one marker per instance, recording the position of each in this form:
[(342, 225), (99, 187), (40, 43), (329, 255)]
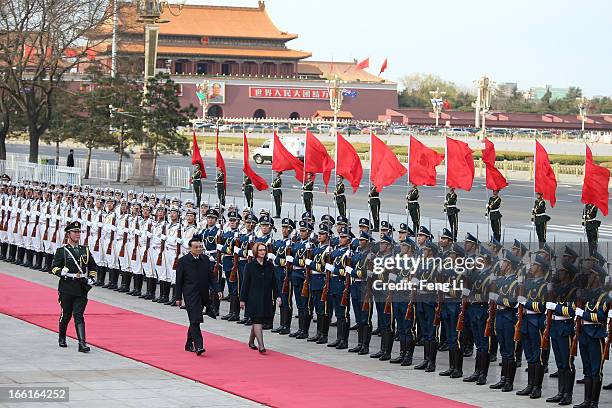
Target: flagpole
[(304, 170), (445, 173), (535, 162), (370, 183), (408, 183)]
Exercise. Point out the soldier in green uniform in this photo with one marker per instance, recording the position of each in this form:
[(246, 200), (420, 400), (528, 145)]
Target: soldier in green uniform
[(277, 193), (452, 212), (414, 209), (247, 188), (591, 226), (374, 202), (307, 192), (494, 214), (540, 218), (76, 269), (339, 196), (196, 181), (221, 186)]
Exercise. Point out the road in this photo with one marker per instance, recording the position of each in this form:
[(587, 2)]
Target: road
[(518, 197)]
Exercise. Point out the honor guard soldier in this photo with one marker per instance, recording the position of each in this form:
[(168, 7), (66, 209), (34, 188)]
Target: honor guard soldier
[(307, 192), (339, 196), (318, 283), (196, 181), (281, 249), (172, 251), (120, 244), (591, 226), (494, 214), (132, 249), (77, 270), (540, 218), (413, 207), (109, 234), (247, 188), (221, 186), (277, 193), (385, 322), (339, 268), (228, 241), (299, 251), (156, 252), (360, 262), (452, 212), (374, 203), (209, 241)]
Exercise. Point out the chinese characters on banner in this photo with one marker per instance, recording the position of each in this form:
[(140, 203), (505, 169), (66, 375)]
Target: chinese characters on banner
[(288, 93)]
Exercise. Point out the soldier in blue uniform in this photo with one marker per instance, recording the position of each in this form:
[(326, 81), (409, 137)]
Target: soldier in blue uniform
[(540, 218), (494, 214), (76, 268), (426, 306), (340, 266), (307, 192), (299, 251), (244, 252), (480, 281), (280, 250), (226, 246), (209, 240), (505, 318), (341, 222), (339, 196), (562, 304), (374, 203), (593, 314), (360, 263), (320, 254), (532, 329), (413, 207), (591, 226), (452, 212), (385, 322)]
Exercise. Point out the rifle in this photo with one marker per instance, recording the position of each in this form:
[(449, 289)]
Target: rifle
[(57, 221), (438, 310), (365, 306), (545, 342), (347, 281), (17, 220), (179, 235), (491, 316), (520, 314), (287, 271), (126, 225), (36, 221), (8, 216), (2, 219), (109, 249), (218, 241), (136, 240), (27, 221), (88, 231), (46, 234), (68, 216), (97, 244), (306, 285), (606, 354), (234, 273), (163, 247), (574, 348), (325, 292), (145, 256), (410, 310), (461, 317)]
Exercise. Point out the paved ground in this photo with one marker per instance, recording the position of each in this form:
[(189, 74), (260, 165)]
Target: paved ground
[(52, 363)]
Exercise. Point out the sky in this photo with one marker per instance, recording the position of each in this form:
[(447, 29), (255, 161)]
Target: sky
[(531, 42)]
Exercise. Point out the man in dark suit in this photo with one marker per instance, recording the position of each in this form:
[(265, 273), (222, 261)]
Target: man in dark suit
[(194, 279), (70, 159)]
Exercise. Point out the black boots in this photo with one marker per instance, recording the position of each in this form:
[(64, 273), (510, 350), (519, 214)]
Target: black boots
[(530, 380), (317, 335), (172, 299), (62, 334), (477, 368), (343, 329), (383, 345), (458, 371), (324, 329), (137, 291), (424, 363), (338, 334), (367, 335), (502, 379), (39, 261), (151, 288), (387, 338), (431, 362), (305, 326), (286, 316), (19, 256), (80, 330), (232, 315), (300, 324), (48, 262), (409, 353), (113, 279), (588, 393), (12, 250), (511, 372), (485, 360), (536, 392), (3, 250), (360, 330), (451, 364), (568, 375), (29, 258), (402, 354)]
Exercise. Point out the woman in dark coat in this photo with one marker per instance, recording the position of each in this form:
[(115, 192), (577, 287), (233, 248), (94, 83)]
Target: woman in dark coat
[(259, 289)]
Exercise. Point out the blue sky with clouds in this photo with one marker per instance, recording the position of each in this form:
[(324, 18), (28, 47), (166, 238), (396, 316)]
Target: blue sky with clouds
[(531, 42)]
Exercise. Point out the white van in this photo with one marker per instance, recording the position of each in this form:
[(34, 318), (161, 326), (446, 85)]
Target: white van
[(295, 144)]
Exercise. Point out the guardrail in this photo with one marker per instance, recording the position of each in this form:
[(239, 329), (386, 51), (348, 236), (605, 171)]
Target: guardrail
[(23, 170)]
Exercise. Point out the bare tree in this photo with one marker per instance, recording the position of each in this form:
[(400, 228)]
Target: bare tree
[(40, 42)]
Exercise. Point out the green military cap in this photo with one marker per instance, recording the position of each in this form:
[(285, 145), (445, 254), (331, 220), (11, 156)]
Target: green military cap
[(73, 226)]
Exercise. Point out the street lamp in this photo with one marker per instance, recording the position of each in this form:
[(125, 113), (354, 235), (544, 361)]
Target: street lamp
[(582, 106), (483, 102), (336, 97), (149, 13), (437, 103)]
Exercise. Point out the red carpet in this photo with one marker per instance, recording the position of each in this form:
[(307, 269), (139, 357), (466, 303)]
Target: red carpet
[(275, 379)]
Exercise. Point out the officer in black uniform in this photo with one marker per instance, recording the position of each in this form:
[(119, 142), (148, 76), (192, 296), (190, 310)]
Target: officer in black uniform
[(591, 226), (374, 202), (414, 209), (494, 214), (540, 218), (452, 212), (76, 268), (339, 196), (247, 188), (221, 186), (277, 193), (307, 192), (196, 181)]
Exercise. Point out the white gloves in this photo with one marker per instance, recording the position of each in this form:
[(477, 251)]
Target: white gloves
[(579, 312), (493, 296), (289, 259), (219, 247), (392, 277), (271, 257), (211, 259), (551, 306), (65, 271), (179, 241), (250, 253), (610, 313), (348, 269), (163, 237), (236, 249), (90, 281), (522, 300), (137, 232), (308, 262), (465, 292), (329, 267)]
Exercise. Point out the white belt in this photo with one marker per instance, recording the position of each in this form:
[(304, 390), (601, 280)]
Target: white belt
[(531, 312), (555, 317), (540, 215), (500, 307), (587, 322), (412, 201), (316, 273), (450, 205), (277, 189), (496, 210), (338, 195), (214, 252)]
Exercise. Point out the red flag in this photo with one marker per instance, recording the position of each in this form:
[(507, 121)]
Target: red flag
[(495, 180), (348, 164), (363, 64), (221, 162), (258, 182), (383, 68), (422, 163), (595, 186), (196, 157), (91, 54), (317, 159), (459, 164), (385, 168), (545, 179), (446, 105), (283, 160)]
